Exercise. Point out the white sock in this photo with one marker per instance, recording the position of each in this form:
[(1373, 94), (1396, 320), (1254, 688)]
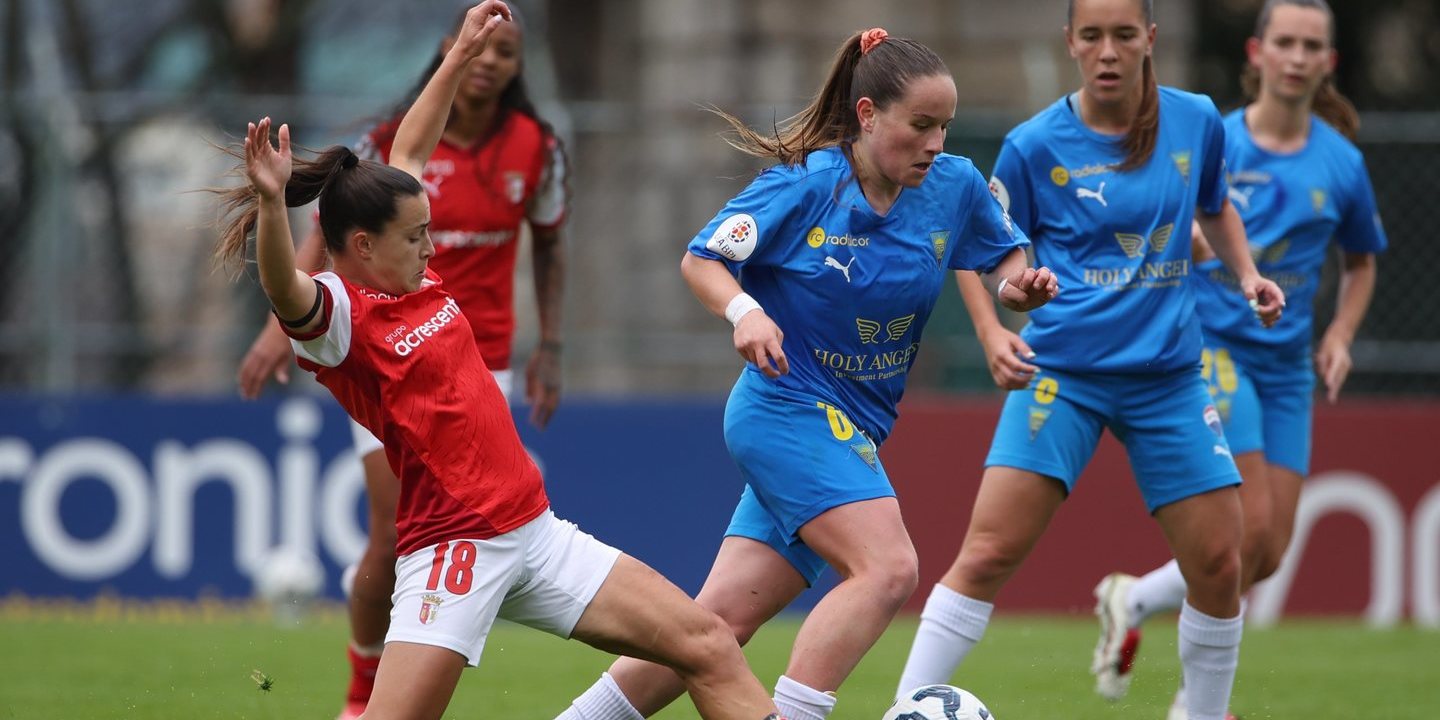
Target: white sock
[(1209, 653), (950, 626), (603, 701), (1159, 590), (800, 702)]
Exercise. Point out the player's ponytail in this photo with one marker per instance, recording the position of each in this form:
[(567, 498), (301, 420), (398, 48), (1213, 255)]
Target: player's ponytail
[(353, 194), (1139, 140), (869, 64), (1329, 103)]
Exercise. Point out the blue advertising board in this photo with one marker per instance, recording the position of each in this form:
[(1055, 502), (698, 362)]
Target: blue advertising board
[(143, 497)]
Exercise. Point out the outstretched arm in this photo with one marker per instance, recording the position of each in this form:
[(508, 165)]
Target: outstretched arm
[(423, 125), (291, 292)]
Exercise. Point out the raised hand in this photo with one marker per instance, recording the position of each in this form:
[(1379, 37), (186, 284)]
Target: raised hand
[(480, 23), (267, 167), (1029, 289)]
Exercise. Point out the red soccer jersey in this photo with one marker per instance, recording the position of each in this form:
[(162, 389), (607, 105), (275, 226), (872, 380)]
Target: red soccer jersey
[(407, 369), (478, 197)]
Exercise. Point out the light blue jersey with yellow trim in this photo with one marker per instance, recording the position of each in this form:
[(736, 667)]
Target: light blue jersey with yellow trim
[(1292, 205), (1118, 242), (851, 289)]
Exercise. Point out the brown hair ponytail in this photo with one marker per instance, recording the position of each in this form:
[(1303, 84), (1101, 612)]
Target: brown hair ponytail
[(353, 194), (880, 72), (1139, 140)]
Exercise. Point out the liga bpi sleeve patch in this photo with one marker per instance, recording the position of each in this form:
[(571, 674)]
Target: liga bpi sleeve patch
[(735, 238)]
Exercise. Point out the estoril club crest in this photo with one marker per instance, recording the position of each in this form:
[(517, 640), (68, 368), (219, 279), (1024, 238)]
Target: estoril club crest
[(939, 240)]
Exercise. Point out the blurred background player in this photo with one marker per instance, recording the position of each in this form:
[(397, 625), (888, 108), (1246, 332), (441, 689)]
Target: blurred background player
[(1298, 183), (1101, 181), (840, 251), (498, 166), (477, 538)]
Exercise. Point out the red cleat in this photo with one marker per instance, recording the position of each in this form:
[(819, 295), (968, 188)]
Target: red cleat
[(362, 683)]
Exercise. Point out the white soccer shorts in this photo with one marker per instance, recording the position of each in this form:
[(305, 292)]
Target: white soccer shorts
[(542, 575)]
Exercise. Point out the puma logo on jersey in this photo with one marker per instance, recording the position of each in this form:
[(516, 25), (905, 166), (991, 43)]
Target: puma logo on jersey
[(1241, 198), (845, 269), (432, 186), (1096, 195)]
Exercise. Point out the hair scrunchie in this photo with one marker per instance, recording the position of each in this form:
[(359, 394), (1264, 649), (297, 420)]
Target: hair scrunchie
[(350, 160), (870, 38)]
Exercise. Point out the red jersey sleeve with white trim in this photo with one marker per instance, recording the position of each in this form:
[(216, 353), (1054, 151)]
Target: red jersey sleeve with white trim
[(547, 206), (410, 373), (329, 343)]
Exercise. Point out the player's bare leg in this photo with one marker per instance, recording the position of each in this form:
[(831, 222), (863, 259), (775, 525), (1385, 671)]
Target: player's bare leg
[(373, 584), (748, 584), (1012, 510), (415, 682), (640, 614), (868, 546), (1205, 533)]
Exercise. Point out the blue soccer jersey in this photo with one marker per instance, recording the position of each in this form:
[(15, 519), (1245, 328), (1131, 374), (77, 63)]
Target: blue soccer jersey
[(1292, 205), (1119, 242), (851, 289)]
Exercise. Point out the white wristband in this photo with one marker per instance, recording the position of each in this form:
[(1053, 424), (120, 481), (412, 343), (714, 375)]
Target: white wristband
[(1000, 289), (739, 306)]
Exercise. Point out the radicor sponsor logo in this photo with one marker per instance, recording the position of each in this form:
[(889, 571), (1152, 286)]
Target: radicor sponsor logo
[(818, 237), (1062, 176)]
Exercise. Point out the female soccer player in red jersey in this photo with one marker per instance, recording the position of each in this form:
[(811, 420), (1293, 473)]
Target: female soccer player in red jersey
[(496, 167), (476, 537)]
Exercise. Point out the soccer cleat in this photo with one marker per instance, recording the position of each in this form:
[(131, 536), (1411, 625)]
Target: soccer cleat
[(362, 683), (1178, 712), (1115, 652)]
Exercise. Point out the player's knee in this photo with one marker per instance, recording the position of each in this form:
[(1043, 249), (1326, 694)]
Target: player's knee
[(985, 560), (710, 643), (1216, 567)]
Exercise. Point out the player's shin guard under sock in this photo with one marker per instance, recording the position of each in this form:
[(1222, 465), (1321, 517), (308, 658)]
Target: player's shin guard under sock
[(800, 702), (1209, 653), (1159, 590), (602, 701), (950, 626)]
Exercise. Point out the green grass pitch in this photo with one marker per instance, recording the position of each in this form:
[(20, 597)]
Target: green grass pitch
[(1027, 668)]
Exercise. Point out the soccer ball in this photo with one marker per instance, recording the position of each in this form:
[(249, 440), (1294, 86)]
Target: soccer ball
[(938, 702), (289, 579)]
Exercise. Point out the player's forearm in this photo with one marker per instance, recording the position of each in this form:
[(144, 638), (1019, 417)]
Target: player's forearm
[(424, 123), (290, 291), (1357, 287), (979, 303), (549, 270), (1226, 234), (711, 282)]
